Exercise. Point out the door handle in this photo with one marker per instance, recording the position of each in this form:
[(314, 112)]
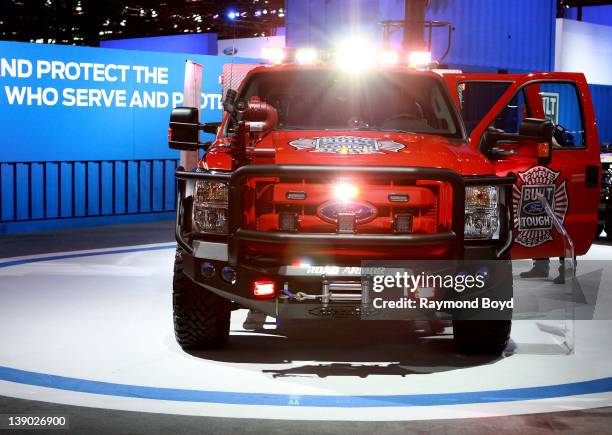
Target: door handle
[(591, 178), (496, 151)]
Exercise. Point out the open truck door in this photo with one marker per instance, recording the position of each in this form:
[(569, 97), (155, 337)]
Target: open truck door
[(504, 115)]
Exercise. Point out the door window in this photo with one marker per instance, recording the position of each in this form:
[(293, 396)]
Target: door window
[(558, 102), (476, 100), (561, 104)]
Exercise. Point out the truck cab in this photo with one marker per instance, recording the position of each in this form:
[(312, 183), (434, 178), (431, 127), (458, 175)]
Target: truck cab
[(316, 173)]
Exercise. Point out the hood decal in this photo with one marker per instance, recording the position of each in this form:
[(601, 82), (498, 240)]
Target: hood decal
[(346, 145)]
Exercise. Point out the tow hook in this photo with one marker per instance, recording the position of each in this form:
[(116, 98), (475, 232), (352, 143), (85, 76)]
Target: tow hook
[(298, 296)]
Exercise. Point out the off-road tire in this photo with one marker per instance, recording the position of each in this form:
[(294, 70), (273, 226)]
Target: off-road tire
[(201, 318), (484, 337), (598, 231), (608, 230), (487, 332)]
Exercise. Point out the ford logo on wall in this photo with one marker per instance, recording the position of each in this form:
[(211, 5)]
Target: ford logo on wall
[(230, 51), (363, 212)]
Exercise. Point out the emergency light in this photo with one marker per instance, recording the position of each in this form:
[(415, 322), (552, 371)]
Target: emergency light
[(352, 55), (419, 59), (274, 55), (263, 289), (345, 191), (388, 57), (306, 56)]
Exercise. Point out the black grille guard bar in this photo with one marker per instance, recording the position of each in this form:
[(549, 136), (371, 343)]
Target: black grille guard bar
[(238, 178)]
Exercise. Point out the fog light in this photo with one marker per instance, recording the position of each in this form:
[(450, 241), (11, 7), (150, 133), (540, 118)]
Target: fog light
[(288, 221), (228, 274), (296, 195), (402, 223), (208, 270), (346, 223), (263, 289), (398, 197)]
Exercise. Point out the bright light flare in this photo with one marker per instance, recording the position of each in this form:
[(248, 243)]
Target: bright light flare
[(345, 191), (355, 55), (306, 56), (419, 58), (388, 57), (274, 55)]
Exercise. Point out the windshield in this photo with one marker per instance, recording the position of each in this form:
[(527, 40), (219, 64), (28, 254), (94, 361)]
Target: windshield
[(378, 101)]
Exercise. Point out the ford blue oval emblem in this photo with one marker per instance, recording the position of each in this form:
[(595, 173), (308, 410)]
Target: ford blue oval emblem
[(363, 212), (533, 208), (230, 51)]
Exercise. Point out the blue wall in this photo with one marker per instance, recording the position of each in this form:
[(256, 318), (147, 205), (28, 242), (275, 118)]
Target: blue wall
[(602, 100), (517, 35), (118, 140), (200, 43), (592, 14)]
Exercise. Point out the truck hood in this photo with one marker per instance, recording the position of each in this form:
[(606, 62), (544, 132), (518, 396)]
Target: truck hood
[(358, 148)]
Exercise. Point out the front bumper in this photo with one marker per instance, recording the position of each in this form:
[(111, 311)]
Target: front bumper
[(223, 251)]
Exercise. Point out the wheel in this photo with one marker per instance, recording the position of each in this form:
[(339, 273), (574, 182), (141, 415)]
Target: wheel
[(608, 230), (486, 337), (608, 225), (201, 318), (487, 332)]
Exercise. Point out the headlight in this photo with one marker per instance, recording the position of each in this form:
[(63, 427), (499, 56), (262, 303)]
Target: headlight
[(481, 212), (210, 207)]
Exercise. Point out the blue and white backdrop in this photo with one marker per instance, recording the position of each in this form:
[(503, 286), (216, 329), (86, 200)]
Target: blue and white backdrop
[(84, 133)]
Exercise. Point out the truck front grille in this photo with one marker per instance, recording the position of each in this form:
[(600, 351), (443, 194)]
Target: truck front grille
[(278, 204)]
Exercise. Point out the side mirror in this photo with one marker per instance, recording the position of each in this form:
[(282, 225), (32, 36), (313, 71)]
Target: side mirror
[(184, 131), (535, 130), (541, 131), (211, 127)]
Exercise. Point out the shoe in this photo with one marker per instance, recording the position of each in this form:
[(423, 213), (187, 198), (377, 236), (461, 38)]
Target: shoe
[(255, 320), (535, 272), (559, 279)]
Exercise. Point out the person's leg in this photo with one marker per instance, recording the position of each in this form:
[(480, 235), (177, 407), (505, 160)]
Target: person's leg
[(540, 269), (561, 278)]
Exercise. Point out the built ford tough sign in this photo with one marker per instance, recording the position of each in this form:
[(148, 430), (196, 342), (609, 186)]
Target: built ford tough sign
[(317, 174)]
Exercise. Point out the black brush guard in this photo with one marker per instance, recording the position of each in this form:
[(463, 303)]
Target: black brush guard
[(237, 234)]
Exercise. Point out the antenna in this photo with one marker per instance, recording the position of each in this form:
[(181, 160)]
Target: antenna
[(234, 51)]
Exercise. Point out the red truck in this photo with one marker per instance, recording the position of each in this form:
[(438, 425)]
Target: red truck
[(315, 170)]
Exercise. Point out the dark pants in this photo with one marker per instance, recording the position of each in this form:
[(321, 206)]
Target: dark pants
[(544, 264)]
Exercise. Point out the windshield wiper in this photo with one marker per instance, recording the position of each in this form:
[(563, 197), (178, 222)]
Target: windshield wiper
[(386, 130), (365, 129)]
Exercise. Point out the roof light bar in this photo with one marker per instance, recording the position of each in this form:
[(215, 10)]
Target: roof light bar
[(351, 55), (306, 56), (274, 55), (354, 55), (419, 59), (388, 57)]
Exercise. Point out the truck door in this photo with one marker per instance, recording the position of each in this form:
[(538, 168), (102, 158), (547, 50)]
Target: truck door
[(569, 177)]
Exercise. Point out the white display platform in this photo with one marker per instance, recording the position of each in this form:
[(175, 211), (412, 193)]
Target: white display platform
[(94, 328)]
